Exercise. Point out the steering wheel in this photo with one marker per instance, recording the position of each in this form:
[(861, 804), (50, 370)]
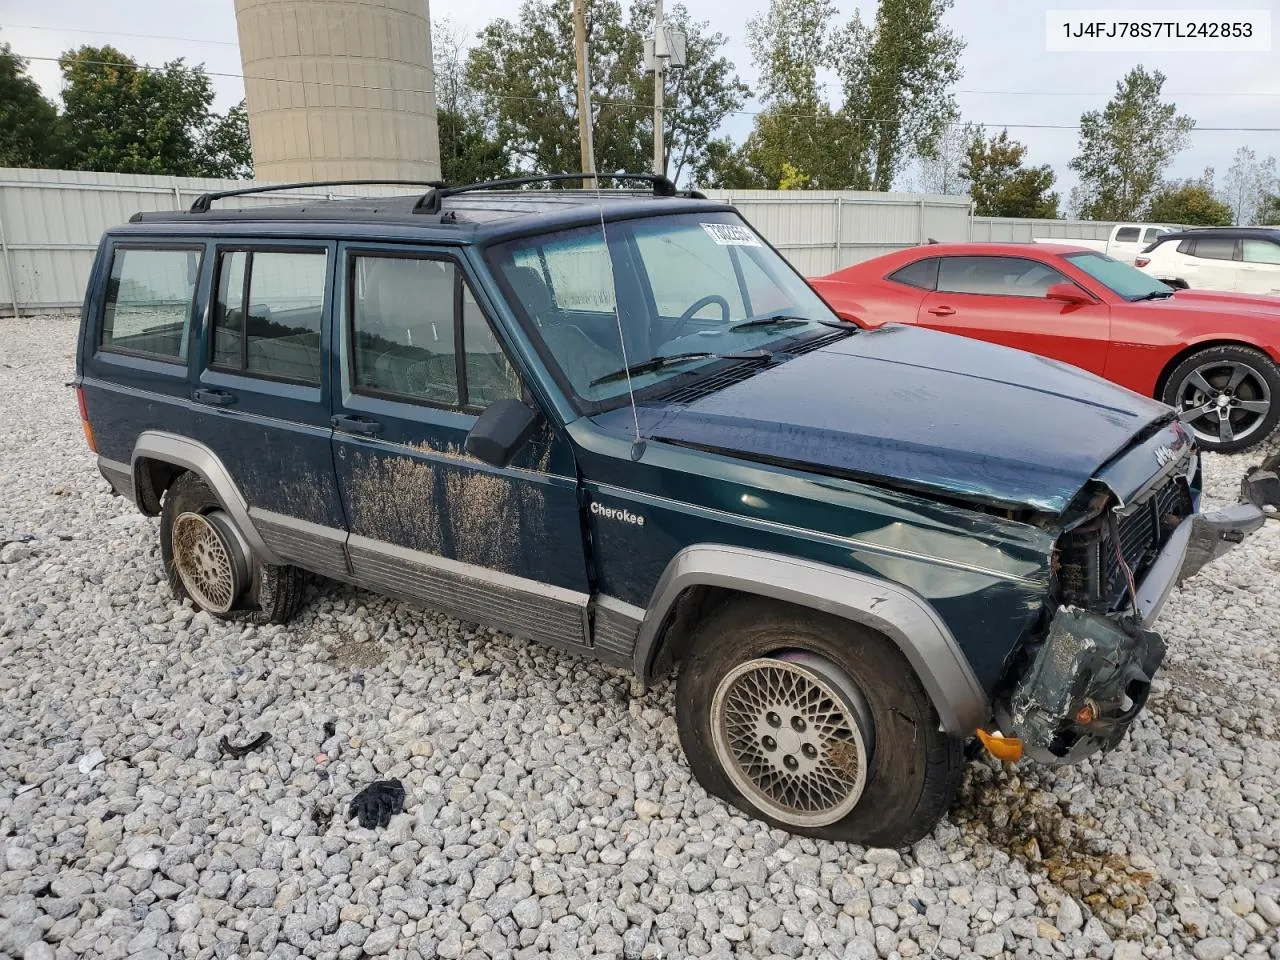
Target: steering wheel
[(695, 307)]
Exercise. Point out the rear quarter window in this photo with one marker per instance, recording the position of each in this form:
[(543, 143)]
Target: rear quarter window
[(923, 274), (147, 309)]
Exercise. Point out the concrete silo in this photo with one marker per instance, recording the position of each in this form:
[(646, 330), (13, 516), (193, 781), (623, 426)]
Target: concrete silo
[(339, 89)]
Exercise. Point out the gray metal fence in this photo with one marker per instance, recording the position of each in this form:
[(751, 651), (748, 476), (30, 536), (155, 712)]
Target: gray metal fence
[(51, 220)]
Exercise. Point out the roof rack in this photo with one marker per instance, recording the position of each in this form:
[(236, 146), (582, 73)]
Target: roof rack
[(662, 186), (205, 200)]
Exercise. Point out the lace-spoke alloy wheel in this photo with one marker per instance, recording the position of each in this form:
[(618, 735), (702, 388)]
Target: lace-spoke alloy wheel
[(204, 556), (789, 733)]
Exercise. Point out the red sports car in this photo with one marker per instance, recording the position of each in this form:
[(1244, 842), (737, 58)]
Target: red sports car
[(1213, 356)]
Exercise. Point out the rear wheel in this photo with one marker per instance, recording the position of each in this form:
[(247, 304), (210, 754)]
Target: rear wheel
[(208, 562), (815, 725), (1229, 396)]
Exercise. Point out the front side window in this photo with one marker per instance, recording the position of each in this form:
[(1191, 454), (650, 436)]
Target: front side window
[(998, 276), (1261, 251), (631, 292), (418, 334), (1215, 248), (149, 300), (268, 313)]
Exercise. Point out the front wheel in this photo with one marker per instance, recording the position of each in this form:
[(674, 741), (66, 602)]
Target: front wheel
[(1229, 396), (815, 725)]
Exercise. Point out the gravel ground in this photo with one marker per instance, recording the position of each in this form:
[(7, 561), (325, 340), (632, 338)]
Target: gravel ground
[(549, 812)]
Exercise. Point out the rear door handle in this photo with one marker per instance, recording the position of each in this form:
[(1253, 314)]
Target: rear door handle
[(943, 311), (215, 398), (350, 424)]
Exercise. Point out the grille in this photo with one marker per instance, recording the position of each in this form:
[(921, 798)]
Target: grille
[(1090, 570)]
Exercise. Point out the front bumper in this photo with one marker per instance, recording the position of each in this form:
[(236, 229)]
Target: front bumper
[(1092, 675)]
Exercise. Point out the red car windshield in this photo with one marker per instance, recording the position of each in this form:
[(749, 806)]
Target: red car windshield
[(1120, 278)]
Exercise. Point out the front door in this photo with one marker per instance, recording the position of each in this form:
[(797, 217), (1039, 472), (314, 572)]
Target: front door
[(1002, 299), (262, 394), (417, 364)]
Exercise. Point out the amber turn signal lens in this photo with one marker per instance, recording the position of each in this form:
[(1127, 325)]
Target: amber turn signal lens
[(1085, 715), (1008, 749)]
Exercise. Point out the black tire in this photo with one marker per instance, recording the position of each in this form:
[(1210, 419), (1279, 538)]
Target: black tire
[(269, 594), (1263, 377), (914, 768)]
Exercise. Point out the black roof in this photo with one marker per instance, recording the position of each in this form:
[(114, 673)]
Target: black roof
[(460, 213), (1233, 233)]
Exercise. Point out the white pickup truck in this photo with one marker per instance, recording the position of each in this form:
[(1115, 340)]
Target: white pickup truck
[(1126, 241)]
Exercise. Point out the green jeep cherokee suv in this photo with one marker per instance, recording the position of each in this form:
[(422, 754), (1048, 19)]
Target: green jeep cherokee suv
[(618, 422)]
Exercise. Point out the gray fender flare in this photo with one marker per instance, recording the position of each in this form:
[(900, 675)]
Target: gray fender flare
[(899, 613), (196, 457)]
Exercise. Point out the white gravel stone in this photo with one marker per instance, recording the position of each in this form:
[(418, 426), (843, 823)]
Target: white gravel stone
[(549, 809)]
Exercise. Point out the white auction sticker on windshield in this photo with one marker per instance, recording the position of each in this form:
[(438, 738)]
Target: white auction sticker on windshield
[(731, 234)]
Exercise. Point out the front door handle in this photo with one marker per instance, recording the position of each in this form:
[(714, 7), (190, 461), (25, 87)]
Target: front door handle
[(215, 398), (350, 424), (943, 311)]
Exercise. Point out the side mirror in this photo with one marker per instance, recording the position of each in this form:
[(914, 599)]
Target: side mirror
[(500, 432), (1067, 293)]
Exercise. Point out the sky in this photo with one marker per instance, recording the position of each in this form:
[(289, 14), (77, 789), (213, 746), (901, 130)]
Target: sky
[(1009, 78)]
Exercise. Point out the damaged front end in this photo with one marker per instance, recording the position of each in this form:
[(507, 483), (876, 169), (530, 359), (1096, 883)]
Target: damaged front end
[(1076, 691)]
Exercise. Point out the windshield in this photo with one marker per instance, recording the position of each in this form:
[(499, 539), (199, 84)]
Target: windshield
[(1121, 278), (702, 285)]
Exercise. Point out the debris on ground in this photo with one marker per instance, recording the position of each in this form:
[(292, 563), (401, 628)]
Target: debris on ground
[(90, 760), (1261, 485), (235, 751), (377, 803)]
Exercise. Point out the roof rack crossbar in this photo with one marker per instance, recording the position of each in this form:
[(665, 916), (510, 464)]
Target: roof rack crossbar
[(205, 200), (662, 186)]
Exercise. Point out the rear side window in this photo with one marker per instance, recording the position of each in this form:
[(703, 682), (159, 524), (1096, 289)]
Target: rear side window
[(148, 302), (1261, 251), (999, 276), (923, 274), (1215, 248), (268, 313), (420, 335), (1127, 234)]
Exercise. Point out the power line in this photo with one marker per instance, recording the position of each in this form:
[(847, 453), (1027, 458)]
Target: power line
[(984, 93), (570, 101)]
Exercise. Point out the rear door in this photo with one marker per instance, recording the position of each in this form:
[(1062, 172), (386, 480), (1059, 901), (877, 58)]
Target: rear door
[(418, 361), (1260, 269), (1002, 299), (262, 393)]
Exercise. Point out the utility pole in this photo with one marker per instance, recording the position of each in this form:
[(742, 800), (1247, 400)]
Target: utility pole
[(660, 54), (584, 96)]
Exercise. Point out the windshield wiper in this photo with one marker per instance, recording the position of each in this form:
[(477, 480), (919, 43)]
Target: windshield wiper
[(772, 320), (1154, 295), (657, 363)]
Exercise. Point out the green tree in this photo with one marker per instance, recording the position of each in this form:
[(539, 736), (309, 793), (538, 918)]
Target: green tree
[(225, 148), (1126, 147), (999, 183), (1190, 202), (789, 43), (121, 118), (897, 77), (722, 165), (469, 153), (28, 132), (523, 75), (1247, 183), (1268, 211)]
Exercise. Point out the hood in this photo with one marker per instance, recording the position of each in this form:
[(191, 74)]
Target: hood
[(1218, 302), (924, 410)]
